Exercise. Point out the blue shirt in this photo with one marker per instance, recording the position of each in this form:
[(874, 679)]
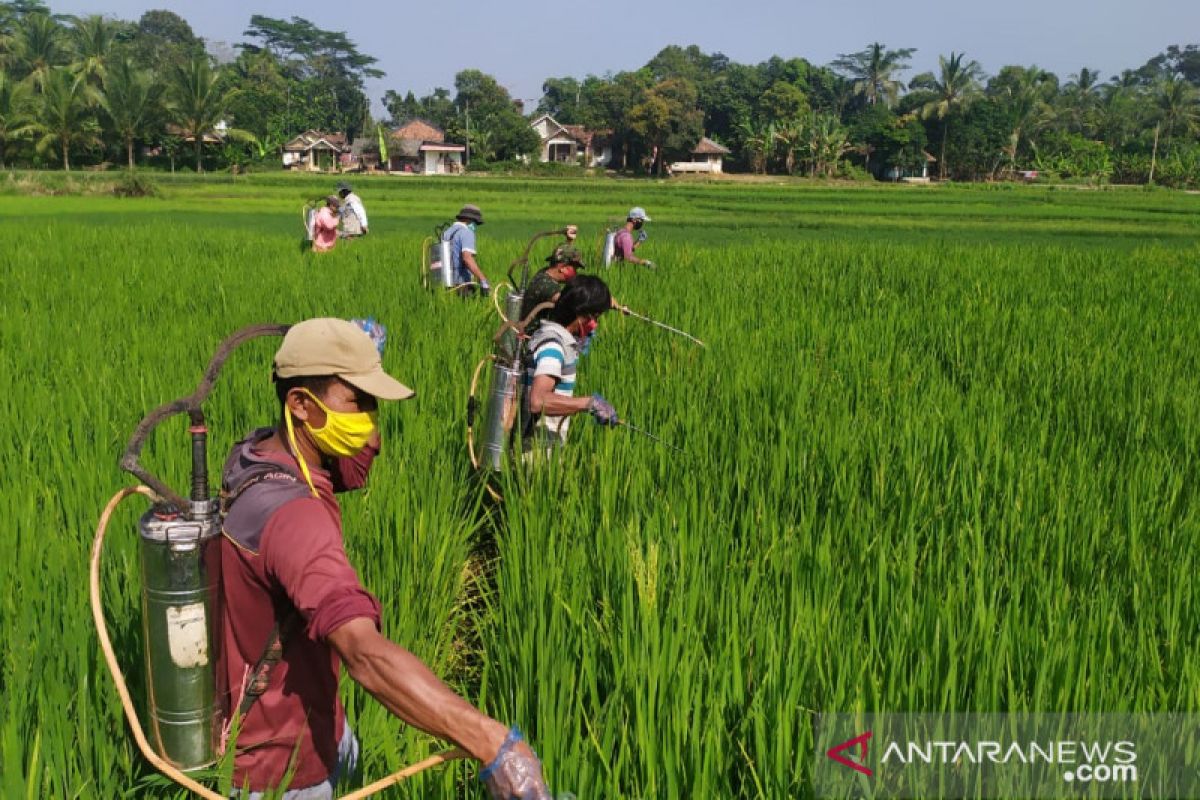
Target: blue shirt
[(461, 239)]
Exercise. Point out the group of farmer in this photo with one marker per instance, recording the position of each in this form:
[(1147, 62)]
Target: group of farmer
[(341, 216), (294, 607)]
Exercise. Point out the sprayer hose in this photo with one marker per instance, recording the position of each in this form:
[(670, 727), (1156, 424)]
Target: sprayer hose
[(135, 724), (496, 299), (426, 244), (470, 431)]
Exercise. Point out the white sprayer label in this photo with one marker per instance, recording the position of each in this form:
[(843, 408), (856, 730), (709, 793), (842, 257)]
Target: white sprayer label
[(187, 635)]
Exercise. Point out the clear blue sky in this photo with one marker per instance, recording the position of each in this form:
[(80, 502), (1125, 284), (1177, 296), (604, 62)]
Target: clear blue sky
[(522, 42)]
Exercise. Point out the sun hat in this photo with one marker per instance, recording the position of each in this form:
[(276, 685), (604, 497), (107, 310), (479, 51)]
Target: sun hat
[(566, 254), (637, 212), (344, 187), (329, 346), (333, 198), (472, 213)]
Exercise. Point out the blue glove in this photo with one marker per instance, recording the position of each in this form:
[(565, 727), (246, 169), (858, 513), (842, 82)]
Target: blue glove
[(602, 411), (484, 288), (376, 330), (642, 236)]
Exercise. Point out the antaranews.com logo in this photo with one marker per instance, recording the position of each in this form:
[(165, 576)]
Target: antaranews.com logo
[(997, 755)]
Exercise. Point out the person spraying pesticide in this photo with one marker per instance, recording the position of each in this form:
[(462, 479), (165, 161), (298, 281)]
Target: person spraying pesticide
[(354, 213), (551, 366), (630, 237), (464, 266), (325, 225), (286, 579), (252, 605)]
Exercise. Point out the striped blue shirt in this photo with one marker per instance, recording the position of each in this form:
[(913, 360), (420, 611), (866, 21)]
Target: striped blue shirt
[(553, 352)]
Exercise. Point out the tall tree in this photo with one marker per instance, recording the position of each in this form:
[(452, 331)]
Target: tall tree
[(874, 70), (561, 99), (65, 114), (195, 101), (491, 109), (16, 112), (131, 101), (93, 38), (1122, 112), (328, 67), (1176, 110), (1081, 97), (668, 120), (954, 87), (37, 46), (163, 39), (1025, 93), (401, 108)]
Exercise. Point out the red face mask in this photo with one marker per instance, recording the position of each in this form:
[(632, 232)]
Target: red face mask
[(588, 326), (568, 272)]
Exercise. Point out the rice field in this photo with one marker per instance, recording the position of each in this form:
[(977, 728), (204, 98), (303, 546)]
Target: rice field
[(941, 453)]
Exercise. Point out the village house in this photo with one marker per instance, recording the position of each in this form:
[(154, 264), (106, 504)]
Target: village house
[(707, 157), (572, 144), (314, 151), (420, 147)]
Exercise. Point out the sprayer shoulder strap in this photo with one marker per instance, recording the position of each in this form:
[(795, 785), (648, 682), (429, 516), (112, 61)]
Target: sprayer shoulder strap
[(246, 508), (277, 486), (260, 676)]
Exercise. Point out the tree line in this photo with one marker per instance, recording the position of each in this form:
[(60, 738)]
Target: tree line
[(99, 89)]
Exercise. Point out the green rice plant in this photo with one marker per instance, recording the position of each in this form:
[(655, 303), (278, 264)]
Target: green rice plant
[(939, 454)]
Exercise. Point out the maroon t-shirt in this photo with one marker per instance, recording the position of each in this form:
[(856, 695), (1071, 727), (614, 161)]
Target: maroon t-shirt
[(300, 563)]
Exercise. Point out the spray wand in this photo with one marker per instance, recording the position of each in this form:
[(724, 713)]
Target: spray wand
[(663, 325), (649, 435)]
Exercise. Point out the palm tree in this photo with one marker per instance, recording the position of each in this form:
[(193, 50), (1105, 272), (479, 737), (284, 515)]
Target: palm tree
[(873, 71), (196, 101), (1177, 107), (1027, 99), (64, 117), (131, 101), (956, 85), (1123, 110), (93, 38), (1082, 93), (37, 46), (16, 105)]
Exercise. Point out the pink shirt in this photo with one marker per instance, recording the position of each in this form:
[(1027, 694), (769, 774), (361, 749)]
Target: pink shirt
[(325, 230), (624, 245)]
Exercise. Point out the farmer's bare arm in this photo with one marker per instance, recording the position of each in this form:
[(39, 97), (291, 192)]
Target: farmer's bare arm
[(473, 266), (543, 400), (407, 688)]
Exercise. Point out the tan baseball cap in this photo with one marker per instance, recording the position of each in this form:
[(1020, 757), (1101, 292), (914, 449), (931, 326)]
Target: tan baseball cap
[(330, 346)]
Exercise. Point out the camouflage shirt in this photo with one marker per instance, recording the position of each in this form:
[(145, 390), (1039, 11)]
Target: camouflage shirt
[(541, 289)]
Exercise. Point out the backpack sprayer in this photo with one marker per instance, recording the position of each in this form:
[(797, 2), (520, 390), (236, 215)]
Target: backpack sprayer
[(504, 397), (437, 265), (180, 570), (308, 215), (608, 246)]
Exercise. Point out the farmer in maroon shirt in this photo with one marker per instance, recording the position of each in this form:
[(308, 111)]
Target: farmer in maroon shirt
[(293, 610)]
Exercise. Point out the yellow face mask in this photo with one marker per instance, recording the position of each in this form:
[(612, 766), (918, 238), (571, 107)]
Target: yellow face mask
[(344, 434)]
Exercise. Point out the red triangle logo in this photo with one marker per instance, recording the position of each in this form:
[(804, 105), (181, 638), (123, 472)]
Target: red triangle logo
[(859, 741)]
